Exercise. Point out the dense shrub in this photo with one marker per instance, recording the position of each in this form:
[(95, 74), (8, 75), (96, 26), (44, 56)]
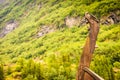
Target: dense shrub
[(103, 66), (31, 70)]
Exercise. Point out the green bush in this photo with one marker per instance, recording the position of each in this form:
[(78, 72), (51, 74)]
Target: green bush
[(32, 70), (102, 66), (117, 64)]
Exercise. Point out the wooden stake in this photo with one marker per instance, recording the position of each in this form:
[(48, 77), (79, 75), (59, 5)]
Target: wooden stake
[(89, 47)]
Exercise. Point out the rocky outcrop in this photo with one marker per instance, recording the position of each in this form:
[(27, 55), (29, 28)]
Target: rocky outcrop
[(40, 6), (72, 21), (45, 30), (112, 18), (10, 26), (2, 1)]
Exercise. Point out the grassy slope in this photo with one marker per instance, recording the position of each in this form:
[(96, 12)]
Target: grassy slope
[(63, 45)]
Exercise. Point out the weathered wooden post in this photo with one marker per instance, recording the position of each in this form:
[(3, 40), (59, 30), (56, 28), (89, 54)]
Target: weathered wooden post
[(89, 47)]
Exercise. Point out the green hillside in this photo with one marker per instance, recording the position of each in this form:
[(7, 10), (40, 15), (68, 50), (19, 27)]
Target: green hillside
[(41, 46)]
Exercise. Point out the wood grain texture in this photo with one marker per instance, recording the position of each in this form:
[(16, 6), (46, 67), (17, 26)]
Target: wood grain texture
[(89, 46)]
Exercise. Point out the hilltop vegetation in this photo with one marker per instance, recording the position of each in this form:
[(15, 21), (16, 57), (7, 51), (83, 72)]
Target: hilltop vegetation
[(55, 55)]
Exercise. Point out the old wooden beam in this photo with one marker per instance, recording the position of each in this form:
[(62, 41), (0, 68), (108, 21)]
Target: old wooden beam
[(92, 74), (89, 46)]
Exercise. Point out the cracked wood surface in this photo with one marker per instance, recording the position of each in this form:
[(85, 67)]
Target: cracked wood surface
[(89, 47)]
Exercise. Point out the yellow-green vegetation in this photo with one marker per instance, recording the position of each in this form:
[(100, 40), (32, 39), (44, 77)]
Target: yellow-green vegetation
[(55, 56), (1, 72)]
